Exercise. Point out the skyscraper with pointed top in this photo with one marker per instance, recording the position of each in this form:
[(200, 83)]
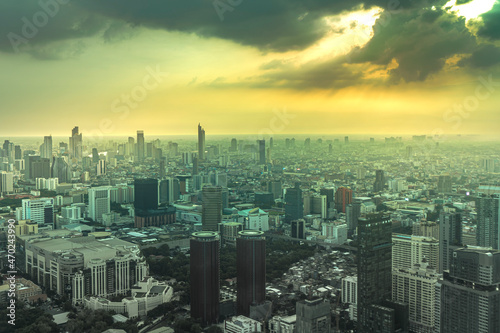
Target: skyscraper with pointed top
[(201, 143)]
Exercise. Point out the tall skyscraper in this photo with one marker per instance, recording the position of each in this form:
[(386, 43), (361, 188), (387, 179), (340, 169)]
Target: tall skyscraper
[(470, 293), (99, 202), (95, 156), (330, 195), (140, 146), (205, 276), (410, 250), (353, 212), (131, 146), (374, 278), (298, 229), (234, 145), (444, 184), (488, 231), (201, 143), (101, 167), (313, 316), (6, 182), (40, 168), (60, 170), (76, 144), (211, 207), (379, 184), (251, 270), (450, 238), (294, 204), (343, 197), (17, 152), (46, 147), (145, 194), (262, 151)]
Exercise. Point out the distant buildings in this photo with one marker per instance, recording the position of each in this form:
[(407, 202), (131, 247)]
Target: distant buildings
[(201, 143), (242, 324), (6, 182), (39, 210), (379, 183), (211, 207), (76, 144), (294, 205), (140, 146), (488, 222), (99, 202), (298, 229), (450, 238), (343, 197), (205, 276), (410, 250), (444, 184)]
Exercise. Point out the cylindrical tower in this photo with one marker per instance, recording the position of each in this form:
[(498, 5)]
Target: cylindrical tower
[(251, 270), (205, 288)]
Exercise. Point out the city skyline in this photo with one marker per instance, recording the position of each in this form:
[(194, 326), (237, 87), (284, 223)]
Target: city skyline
[(336, 68)]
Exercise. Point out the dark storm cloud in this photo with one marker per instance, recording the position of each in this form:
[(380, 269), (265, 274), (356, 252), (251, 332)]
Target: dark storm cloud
[(491, 23), (486, 55), (278, 25), (420, 42)]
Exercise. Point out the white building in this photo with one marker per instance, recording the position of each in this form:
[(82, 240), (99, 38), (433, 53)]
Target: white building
[(146, 295), (254, 219), (417, 287), (99, 202), (282, 324), (38, 210), (350, 295), (242, 324), (334, 232), (47, 183), (101, 168), (410, 250), (6, 182)]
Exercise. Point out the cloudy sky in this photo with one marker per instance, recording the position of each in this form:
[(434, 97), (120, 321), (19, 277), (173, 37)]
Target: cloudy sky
[(248, 66)]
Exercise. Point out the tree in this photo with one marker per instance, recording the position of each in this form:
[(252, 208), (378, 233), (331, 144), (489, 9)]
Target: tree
[(215, 329)]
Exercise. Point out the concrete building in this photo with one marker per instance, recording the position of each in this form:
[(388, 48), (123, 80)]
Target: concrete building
[(488, 222), (6, 182), (450, 238), (410, 250), (416, 286), (242, 324), (211, 207), (279, 324), (313, 316), (426, 229), (254, 219), (39, 210), (99, 202), (26, 227)]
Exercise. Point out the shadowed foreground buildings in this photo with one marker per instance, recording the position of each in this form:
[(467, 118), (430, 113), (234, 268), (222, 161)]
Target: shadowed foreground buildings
[(313, 316), (204, 275), (211, 207), (376, 313)]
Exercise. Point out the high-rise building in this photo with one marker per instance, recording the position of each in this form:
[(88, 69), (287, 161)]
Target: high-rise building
[(416, 286), (294, 204), (275, 188), (211, 207), (101, 168), (426, 229), (375, 276), (379, 184), (353, 212), (488, 222), (450, 238), (251, 271), (145, 194), (204, 275), (131, 146), (6, 182), (298, 229), (470, 293), (262, 151), (330, 195), (99, 202), (95, 156), (234, 145), (313, 316), (444, 184), (410, 250), (39, 210), (60, 170), (343, 197), (140, 146), (201, 143), (76, 144), (40, 168), (242, 324), (46, 147)]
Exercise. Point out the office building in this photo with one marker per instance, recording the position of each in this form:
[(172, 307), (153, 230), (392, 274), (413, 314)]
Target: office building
[(39, 210), (330, 195), (140, 146), (275, 188), (201, 143), (211, 207), (279, 324), (488, 222), (353, 212), (444, 184), (469, 293), (6, 183), (26, 227), (76, 143), (205, 276), (101, 168), (155, 217), (46, 148), (251, 271), (99, 202), (450, 238), (40, 168), (349, 290), (81, 266), (416, 286), (262, 151), (313, 316), (145, 194), (60, 170), (229, 232), (298, 229), (426, 229), (343, 197), (254, 219), (294, 205), (242, 324), (379, 183), (410, 250)]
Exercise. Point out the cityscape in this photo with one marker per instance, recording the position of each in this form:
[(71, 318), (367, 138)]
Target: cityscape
[(232, 166)]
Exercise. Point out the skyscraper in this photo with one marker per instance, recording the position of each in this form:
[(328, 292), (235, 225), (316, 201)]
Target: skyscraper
[(330, 195), (379, 181), (95, 156), (294, 204), (353, 212), (211, 207), (101, 168), (6, 182), (313, 316), (488, 231), (470, 293), (130, 146), (251, 270), (410, 250), (343, 197), (75, 143), (40, 168), (46, 147), (145, 194), (262, 151), (201, 143), (444, 184), (450, 238), (234, 145), (204, 276), (140, 146), (60, 170), (375, 276), (99, 202), (298, 229)]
